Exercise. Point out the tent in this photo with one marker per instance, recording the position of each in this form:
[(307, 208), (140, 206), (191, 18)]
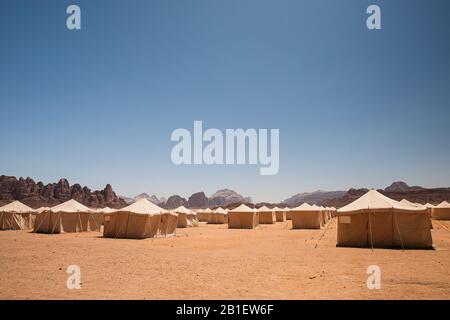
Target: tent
[(288, 213), (333, 212), (306, 217), (203, 214), (70, 216), (42, 209), (374, 220), (218, 216), (17, 216), (429, 207), (186, 217), (266, 215), (242, 217), (168, 224), (105, 210), (280, 214), (409, 203), (142, 219), (441, 211)]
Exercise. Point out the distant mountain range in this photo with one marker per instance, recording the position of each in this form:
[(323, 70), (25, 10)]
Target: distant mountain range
[(397, 190), (37, 195), (222, 198), (317, 197)]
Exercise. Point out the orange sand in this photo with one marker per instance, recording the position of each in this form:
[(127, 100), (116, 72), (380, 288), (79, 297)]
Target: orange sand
[(213, 262)]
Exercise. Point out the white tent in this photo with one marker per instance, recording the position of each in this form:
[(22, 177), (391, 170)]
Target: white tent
[(280, 214), (266, 215), (142, 219), (242, 217), (70, 216), (374, 220), (441, 211), (306, 216), (186, 217), (218, 216), (409, 203), (17, 216)]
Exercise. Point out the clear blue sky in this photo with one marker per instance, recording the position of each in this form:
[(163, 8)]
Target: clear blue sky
[(355, 108)]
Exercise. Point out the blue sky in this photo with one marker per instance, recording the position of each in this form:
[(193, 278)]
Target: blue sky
[(355, 108)]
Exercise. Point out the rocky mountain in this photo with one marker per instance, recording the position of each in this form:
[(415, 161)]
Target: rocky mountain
[(226, 197), (318, 197), (398, 190), (151, 198), (37, 194), (174, 202), (400, 186), (198, 200), (223, 198)]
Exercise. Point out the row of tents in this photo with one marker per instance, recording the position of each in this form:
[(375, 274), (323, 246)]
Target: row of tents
[(372, 220)]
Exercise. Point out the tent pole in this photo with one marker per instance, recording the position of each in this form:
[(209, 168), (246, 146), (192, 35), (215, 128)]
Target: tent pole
[(398, 230), (42, 220), (370, 231)]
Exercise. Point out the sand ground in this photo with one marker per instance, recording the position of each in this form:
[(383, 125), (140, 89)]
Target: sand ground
[(214, 262)]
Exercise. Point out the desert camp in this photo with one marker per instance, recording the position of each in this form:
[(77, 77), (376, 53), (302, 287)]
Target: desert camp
[(315, 232)]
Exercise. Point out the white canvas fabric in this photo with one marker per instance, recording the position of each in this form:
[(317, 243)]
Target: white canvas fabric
[(374, 220), (186, 217), (441, 211), (409, 203), (218, 216), (70, 216), (306, 216), (17, 216), (266, 215), (280, 214), (242, 217), (140, 220), (42, 209)]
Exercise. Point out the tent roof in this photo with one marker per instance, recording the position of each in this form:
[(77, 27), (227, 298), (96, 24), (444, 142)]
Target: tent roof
[(105, 210), (242, 208), (264, 209), (143, 206), (42, 209), (182, 209), (304, 207), (429, 205), (70, 206), (373, 200), (16, 206), (412, 204), (207, 210), (219, 210), (443, 204)]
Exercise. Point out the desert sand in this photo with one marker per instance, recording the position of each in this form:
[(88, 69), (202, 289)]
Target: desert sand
[(214, 262)]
